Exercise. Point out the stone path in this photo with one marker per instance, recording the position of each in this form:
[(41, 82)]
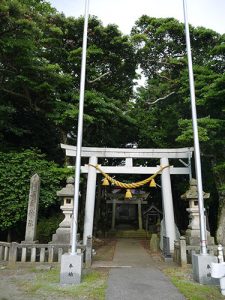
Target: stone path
[(136, 277)]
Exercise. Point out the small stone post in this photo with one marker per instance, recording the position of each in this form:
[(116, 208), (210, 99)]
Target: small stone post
[(154, 243), (220, 254), (113, 214), (88, 252), (183, 253), (32, 212), (13, 253), (139, 216)]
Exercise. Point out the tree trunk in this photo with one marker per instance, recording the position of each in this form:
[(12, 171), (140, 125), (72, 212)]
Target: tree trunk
[(9, 236), (63, 135), (97, 204), (219, 180), (220, 234)]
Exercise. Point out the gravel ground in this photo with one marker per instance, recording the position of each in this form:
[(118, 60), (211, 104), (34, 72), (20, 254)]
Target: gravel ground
[(26, 281), (14, 283)]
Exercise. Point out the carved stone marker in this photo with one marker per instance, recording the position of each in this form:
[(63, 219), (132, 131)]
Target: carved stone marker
[(32, 211), (71, 268)]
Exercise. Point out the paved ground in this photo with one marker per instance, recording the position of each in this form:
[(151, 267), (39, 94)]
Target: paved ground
[(136, 276)]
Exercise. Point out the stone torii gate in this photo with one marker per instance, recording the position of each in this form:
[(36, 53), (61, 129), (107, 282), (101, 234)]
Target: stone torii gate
[(128, 154)]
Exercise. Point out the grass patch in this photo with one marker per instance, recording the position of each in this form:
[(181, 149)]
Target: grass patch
[(93, 285), (182, 279)]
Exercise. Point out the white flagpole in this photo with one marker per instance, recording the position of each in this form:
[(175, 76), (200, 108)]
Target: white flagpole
[(203, 236), (79, 133)]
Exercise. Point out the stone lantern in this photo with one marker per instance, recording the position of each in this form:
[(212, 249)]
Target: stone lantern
[(63, 233), (193, 232)]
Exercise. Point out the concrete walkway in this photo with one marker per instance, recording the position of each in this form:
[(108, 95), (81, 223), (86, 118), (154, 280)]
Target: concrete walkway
[(135, 276)]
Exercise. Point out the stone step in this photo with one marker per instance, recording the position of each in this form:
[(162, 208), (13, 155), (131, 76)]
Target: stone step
[(131, 234)]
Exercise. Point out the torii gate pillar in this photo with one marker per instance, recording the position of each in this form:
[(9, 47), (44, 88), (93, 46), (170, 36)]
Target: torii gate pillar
[(168, 203), (90, 200)]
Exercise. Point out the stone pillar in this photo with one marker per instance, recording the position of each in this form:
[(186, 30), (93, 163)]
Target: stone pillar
[(168, 203), (13, 253), (139, 216), (90, 200), (113, 214), (183, 252), (88, 252), (32, 212)]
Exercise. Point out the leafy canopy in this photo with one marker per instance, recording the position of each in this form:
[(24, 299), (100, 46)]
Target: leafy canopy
[(16, 169)]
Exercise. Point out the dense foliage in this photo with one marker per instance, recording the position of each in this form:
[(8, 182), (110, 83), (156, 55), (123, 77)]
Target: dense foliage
[(160, 46), (163, 109), (40, 60), (16, 169)]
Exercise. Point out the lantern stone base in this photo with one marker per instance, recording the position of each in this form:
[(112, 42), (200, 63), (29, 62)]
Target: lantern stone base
[(62, 236), (193, 237), (71, 268)]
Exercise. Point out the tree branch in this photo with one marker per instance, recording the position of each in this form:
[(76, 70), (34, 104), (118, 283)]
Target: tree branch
[(4, 70), (165, 77), (98, 78), (165, 62), (15, 93), (162, 98)]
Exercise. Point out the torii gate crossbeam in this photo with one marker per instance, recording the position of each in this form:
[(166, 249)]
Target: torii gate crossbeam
[(129, 152)]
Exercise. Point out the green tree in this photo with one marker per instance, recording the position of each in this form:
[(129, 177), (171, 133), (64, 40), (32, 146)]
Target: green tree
[(163, 109), (161, 49), (40, 60), (111, 65), (16, 169), (29, 83)]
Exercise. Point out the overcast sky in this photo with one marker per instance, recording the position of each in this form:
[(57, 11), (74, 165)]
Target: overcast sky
[(124, 13)]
